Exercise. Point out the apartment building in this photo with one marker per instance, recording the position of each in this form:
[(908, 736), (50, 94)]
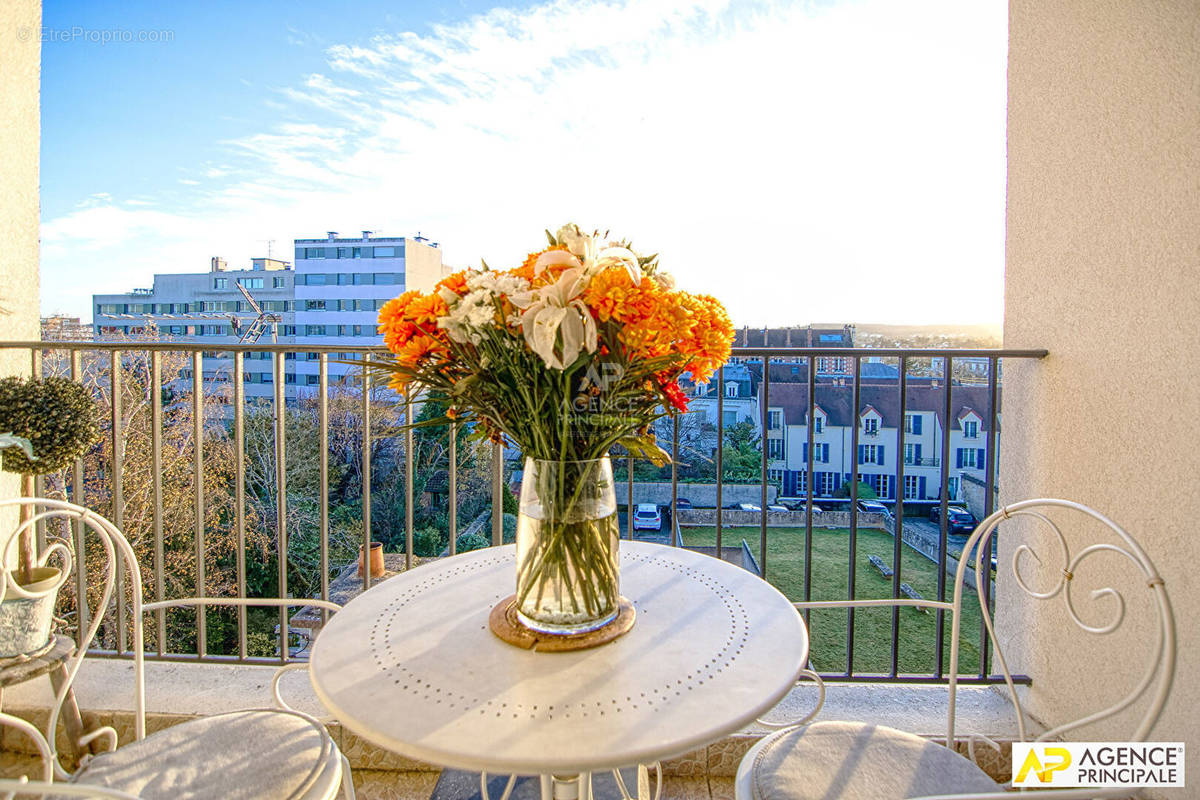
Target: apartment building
[(330, 296)]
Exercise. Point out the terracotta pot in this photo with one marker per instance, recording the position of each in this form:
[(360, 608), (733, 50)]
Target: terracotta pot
[(377, 567)]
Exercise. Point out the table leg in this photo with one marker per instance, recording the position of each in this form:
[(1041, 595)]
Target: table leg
[(71, 717), (567, 787)]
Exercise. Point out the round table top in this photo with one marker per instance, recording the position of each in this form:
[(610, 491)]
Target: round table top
[(412, 666)]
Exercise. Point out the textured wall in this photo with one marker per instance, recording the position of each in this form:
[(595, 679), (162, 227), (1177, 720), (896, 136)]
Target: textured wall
[(20, 69), (1103, 257)]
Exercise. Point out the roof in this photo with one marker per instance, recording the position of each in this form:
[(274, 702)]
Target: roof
[(795, 336), (837, 402)]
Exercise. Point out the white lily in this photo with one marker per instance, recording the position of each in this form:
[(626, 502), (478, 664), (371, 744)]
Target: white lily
[(608, 257), (556, 323)]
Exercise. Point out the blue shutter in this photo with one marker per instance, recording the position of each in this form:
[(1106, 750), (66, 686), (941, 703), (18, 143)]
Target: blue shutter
[(917, 452), (921, 488), (916, 426), (861, 450), (981, 459), (805, 452), (825, 453), (958, 458), (879, 455)]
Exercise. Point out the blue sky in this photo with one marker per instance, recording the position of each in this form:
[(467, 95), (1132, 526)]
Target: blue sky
[(802, 161)]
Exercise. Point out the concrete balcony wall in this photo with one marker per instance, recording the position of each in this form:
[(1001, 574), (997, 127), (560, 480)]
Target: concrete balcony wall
[(20, 74), (1103, 257)]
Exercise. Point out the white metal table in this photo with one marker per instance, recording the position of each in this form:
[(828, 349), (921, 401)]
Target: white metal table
[(412, 666)]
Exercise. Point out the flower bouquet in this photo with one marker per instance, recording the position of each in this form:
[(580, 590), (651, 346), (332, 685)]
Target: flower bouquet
[(578, 349)]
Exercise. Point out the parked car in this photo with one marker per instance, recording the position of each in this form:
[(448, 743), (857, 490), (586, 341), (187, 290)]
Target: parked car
[(777, 508), (683, 502), (646, 517), (958, 519), (800, 504), (872, 507), (742, 507)]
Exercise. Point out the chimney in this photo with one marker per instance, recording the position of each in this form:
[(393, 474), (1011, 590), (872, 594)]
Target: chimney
[(218, 264), (367, 235), (331, 234)]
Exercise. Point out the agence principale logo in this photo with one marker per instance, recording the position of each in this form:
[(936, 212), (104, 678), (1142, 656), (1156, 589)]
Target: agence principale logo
[(1097, 764)]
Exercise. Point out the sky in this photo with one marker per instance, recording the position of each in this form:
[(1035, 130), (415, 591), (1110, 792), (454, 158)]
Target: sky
[(801, 161)]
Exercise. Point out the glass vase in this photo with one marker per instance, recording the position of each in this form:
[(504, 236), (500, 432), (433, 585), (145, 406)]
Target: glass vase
[(568, 578)]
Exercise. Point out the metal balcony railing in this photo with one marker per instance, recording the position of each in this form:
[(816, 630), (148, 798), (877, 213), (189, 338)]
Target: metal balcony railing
[(158, 419)]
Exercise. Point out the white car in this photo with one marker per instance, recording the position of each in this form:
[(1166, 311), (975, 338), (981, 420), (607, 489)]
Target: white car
[(646, 517)]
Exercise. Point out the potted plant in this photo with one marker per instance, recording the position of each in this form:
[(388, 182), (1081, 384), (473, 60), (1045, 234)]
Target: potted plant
[(50, 422)]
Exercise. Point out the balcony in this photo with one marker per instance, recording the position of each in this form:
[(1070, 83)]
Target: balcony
[(294, 530)]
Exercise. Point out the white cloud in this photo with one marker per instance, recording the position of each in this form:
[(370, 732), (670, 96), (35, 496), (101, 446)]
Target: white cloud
[(801, 163)]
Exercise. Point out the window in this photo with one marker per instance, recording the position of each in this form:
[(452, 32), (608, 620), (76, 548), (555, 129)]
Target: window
[(220, 283), (315, 279), (870, 426), (314, 330), (882, 484), (801, 482), (364, 278), (314, 305), (385, 252), (312, 380), (251, 283), (914, 487), (343, 279), (289, 330), (729, 418), (828, 483), (775, 476), (314, 252), (912, 424), (278, 283), (343, 252), (970, 458), (774, 419), (731, 389), (389, 278), (912, 454), (818, 424), (870, 454), (970, 429), (952, 488), (775, 448), (820, 452)]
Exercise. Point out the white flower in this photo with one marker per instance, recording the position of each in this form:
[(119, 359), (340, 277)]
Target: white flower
[(576, 241), (556, 323), (620, 257)]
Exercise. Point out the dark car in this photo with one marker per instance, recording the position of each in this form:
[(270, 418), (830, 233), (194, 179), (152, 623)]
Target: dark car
[(683, 502), (958, 519)]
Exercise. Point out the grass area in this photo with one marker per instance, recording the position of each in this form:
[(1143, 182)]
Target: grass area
[(830, 581)]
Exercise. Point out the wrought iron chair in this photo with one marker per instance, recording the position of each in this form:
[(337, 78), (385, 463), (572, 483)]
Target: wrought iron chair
[(257, 753), (846, 760)]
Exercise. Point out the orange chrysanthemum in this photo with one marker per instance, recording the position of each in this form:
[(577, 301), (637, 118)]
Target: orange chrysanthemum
[(456, 283), (425, 310), (418, 349), (526, 270)]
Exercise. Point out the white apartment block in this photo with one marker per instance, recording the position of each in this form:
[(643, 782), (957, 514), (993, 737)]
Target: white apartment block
[(331, 296)]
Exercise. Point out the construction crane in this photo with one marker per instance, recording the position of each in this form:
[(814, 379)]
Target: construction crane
[(259, 325)]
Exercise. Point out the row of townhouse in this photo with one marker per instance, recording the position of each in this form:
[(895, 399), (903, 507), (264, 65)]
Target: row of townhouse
[(885, 438), (736, 396)]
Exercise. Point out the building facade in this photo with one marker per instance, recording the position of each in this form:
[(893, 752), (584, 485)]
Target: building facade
[(331, 296)]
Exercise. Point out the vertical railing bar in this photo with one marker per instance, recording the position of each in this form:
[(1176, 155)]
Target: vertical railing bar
[(453, 475), (239, 491), (156, 488), (410, 450), (765, 414), (39, 481), (118, 493), (674, 481), (629, 498), (281, 532), (497, 492), (989, 489), (365, 552), (898, 513), (856, 422), (323, 461), (198, 485), (720, 451), (810, 481), (80, 499), (944, 526)]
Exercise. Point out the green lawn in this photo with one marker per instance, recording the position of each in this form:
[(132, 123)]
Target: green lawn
[(830, 579)]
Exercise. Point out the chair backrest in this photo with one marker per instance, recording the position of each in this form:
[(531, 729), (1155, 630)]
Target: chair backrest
[(117, 553), (1160, 664), (42, 511)]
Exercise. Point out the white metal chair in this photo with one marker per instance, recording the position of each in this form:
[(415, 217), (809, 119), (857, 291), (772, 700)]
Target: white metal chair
[(258, 753), (846, 761)]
